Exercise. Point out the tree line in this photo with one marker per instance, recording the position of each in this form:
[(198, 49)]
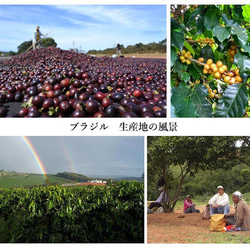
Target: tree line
[(73, 176), (25, 46), (138, 48), (197, 165)]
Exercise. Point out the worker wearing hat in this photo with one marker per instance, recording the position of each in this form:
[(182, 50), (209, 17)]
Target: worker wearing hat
[(219, 203), (189, 206), (118, 49), (161, 199), (37, 38)]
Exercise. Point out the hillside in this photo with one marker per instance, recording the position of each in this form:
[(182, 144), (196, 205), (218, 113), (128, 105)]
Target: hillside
[(15, 179), (138, 48), (9, 180)]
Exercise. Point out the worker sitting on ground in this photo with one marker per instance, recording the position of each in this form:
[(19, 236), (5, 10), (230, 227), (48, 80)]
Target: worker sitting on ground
[(240, 220), (159, 201), (189, 206), (219, 203)]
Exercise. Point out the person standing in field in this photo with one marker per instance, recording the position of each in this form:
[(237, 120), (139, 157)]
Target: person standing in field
[(118, 49), (37, 38), (219, 203)]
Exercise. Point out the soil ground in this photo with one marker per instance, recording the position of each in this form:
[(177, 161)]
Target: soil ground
[(169, 228)]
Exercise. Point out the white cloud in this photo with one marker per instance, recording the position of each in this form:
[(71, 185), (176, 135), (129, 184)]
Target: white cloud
[(88, 26)]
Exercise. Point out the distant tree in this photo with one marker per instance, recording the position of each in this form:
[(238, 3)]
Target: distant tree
[(48, 41), (24, 46), (163, 42), (137, 48), (11, 53)]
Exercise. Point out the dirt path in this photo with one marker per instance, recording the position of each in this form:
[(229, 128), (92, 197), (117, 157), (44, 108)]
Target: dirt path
[(168, 228)]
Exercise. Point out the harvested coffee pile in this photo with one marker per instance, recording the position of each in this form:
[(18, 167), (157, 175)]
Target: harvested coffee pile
[(61, 83)]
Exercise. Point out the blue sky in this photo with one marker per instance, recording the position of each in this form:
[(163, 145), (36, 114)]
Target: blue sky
[(89, 155), (85, 27)]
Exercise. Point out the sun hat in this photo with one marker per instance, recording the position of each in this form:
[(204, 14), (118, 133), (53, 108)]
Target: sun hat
[(220, 187), (189, 196)]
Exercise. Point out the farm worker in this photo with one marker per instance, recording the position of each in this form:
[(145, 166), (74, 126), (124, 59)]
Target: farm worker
[(219, 203), (241, 215), (37, 38), (118, 49), (160, 199), (189, 206)]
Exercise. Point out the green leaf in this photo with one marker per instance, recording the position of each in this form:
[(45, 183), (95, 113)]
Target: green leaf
[(246, 12), (207, 52), (189, 47), (179, 67), (203, 107), (200, 24), (233, 101), (218, 56), (173, 55), (239, 34), (242, 61), (228, 21), (212, 18), (50, 204), (183, 105), (195, 70), (185, 77), (241, 38), (177, 35), (222, 33), (191, 102), (196, 12)]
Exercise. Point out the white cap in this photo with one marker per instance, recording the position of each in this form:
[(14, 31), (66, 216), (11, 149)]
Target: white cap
[(221, 187), (238, 193), (161, 188)]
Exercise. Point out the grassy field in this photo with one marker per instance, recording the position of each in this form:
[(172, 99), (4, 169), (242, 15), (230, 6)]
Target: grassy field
[(30, 180)]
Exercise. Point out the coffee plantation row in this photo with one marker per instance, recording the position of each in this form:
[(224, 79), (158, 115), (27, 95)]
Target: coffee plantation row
[(92, 214)]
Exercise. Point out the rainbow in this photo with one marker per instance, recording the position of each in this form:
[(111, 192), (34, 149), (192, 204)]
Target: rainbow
[(67, 155), (35, 155)]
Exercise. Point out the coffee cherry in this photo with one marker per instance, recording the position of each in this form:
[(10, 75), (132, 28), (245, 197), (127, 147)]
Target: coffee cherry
[(238, 79), (205, 41), (232, 51), (206, 67), (209, 61), (217, 75), (219, 64), (201, 59), (185, 57)]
